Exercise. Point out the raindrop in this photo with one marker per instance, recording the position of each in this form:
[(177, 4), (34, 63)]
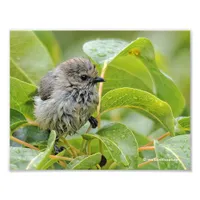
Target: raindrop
[(93, 49), (110, 51), (101, 54)]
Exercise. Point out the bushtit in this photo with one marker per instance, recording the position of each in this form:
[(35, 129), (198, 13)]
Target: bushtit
[(68, 97)]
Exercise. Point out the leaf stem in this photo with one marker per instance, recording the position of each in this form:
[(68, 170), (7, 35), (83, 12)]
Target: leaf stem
[(101, 147), (160, 138), (113, 165), (100, 94), (31, 122), (146, 148), (60, 157), (62, 164), (74, 150), (23, 143), (145, 163), (98, 166), (89, 147), (35, 148)]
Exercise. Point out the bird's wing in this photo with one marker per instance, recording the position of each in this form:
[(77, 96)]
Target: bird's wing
[(47, 85)]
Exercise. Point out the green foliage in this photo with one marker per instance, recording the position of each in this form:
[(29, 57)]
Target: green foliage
[(41, 159), (174, 153), (16, 119), (21, 96), (20, 157), (139, 104), (141, 100), (120, 143), (85, 162)]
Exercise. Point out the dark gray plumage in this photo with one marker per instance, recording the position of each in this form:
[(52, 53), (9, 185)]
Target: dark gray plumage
[(67, 97)]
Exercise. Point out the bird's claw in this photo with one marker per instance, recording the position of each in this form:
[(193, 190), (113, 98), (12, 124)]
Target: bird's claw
[(93, 122), (58, 149)]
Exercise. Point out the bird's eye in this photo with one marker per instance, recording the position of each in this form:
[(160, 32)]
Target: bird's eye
[(84, 77)]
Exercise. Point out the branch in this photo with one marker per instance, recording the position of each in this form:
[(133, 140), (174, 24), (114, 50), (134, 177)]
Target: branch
[(160, 138), (100, 94), (146, 162), (146, 148)]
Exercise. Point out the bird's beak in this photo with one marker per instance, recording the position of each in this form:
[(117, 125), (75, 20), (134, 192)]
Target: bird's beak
[(98, 79)]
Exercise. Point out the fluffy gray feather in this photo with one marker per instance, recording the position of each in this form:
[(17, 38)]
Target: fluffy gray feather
[(67, 96)]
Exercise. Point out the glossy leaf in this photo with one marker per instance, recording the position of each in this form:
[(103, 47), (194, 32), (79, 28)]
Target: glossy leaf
[(174, 153), (20, 157), (152, 80), (139, 100), (50, 42), (33, 135), (21, 96), (16, 119), (40, 160), (17, 72), (184, 122), (85, 162), (52, 161), (133, 76), (103, 50), (120, 143), (182, 125), (165, 88), (123, 73), (30, 54)]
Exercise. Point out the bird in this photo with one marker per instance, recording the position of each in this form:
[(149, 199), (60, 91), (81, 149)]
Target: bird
[(67, 97)]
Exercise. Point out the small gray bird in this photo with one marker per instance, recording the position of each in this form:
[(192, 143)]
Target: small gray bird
[(68, 97)]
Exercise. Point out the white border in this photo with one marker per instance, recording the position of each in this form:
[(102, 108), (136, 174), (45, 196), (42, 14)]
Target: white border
[(93, 15)]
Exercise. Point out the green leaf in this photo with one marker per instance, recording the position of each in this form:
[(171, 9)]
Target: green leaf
[(17, 72), (50, 42), (139, 100), (85, 162), (120, 143), (174, 153), (131, 61), (164, 85), (40, 160), (52, 161), (182, 125), (20, 157), (16, 119), (21, 97), (30, 54), (103, 50), (132, 75), (33, 135), (119, 73), (141, 139)]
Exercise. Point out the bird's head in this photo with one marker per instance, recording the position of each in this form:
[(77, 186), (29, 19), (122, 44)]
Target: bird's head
[(80, 72)]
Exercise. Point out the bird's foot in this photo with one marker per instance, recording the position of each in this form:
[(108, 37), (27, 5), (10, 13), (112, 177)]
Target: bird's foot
[(93, 122), (58, 149)]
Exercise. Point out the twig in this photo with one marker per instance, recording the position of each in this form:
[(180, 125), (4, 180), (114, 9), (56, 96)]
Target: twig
[(31, 122), (60, 157), (23, 143), (73, 149), (100, 94), (145, 163), (160, 138), (35, 148), (62, 163), (146, 148)]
